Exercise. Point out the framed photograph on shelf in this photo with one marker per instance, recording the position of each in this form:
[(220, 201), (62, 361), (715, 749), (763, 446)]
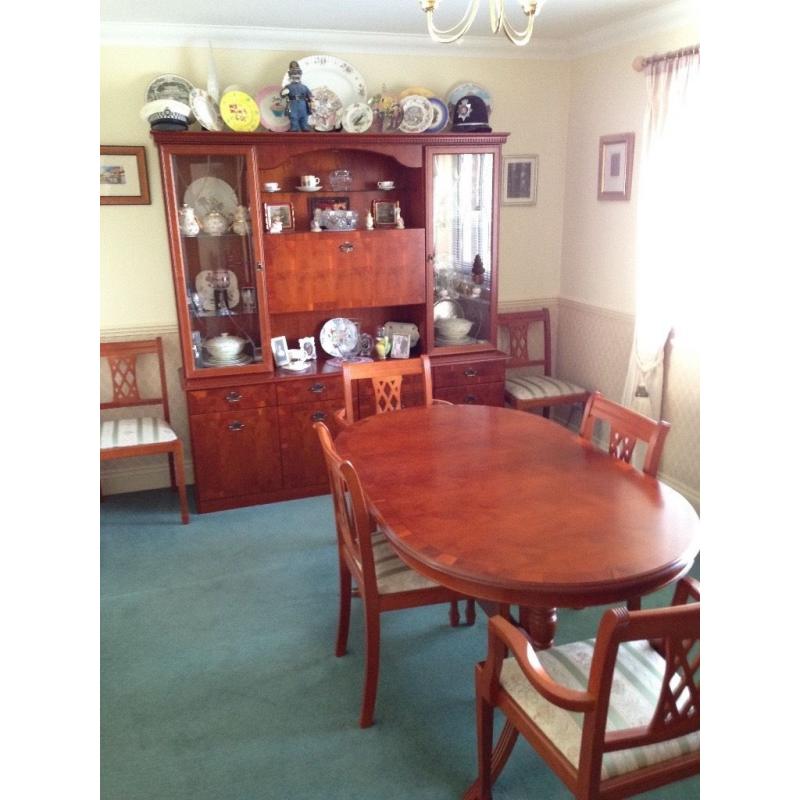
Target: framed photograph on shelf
[(280, 351), (328, 204), (401, 346), (520, 180), (309, 348), (615, 169), (384, 212), (282, 211), (123, 176)]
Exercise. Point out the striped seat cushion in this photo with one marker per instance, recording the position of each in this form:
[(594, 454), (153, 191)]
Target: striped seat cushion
[(391, 573), (634, 692), (524, 383), (131, 432)]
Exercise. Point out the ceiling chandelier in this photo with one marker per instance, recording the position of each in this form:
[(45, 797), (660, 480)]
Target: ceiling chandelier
[(497, 16)]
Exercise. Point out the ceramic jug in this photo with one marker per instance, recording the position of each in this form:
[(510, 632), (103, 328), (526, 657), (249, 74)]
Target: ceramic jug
[(214, 223), (187, 221), (241, 223)]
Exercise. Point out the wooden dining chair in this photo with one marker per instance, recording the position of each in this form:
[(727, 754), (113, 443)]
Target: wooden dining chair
[(530, 383), (382, 580), (140, 436), (612, 716)]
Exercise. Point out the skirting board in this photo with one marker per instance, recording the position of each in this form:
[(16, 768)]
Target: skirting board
[(133, 478)]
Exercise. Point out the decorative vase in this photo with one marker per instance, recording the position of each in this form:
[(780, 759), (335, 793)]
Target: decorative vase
[(187, 221)]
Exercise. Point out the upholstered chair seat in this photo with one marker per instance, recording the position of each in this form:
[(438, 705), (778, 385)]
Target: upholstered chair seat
[(134, 432), (391, 573), (527, 383)]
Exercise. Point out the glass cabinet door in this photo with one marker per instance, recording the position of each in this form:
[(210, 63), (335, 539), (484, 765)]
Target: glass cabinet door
[(463, 248), (214, 222)]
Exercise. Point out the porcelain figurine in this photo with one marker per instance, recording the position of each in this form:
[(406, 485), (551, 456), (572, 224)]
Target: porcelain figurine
[(187, 221), (241, 221), (214, 223), (370, 222), (276, 226), (299, 96)]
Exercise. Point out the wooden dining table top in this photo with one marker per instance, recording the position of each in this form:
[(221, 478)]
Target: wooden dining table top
[(510, 507)]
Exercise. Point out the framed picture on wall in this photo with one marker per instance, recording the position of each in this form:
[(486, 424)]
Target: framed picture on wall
[(123, 176), (520, 180), (615, 169)]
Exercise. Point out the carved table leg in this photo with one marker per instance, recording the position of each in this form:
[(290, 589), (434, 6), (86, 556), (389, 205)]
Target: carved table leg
[(540, 624), (502, 750)]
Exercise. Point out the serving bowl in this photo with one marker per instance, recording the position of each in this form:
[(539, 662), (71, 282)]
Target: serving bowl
[(453, 327), (224, 347), (166, 114)]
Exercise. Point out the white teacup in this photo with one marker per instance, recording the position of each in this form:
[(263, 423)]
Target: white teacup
[(309, 181), (272, 186), (386, 184)]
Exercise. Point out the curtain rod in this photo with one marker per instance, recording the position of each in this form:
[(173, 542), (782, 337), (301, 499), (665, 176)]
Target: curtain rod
[(640, 62)]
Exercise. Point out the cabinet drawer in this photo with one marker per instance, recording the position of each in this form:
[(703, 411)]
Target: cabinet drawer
[(311, 390), (202, 401), (479, 394), (468, 373)]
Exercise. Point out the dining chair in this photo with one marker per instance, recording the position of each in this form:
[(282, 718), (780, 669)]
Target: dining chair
[(530, 383), (382, 579), (387, 383), (612, 716), (144, 435)]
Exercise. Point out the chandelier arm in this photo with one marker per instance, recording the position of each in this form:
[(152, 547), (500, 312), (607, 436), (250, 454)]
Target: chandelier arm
[(519, 38), (447, 35)]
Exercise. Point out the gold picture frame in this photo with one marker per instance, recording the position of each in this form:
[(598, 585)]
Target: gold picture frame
[(123, 176)]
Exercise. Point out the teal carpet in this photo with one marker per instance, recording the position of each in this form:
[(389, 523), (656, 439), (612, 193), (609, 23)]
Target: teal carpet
[(219, 680)]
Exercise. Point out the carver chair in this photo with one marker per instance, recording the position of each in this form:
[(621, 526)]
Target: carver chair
[(530, 383), (382, 580), (140, 436), (613, 716), (387, 384)]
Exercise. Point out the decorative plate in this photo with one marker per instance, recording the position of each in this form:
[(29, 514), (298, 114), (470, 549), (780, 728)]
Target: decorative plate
[(243, 358), (239, 111), (462, 90), (325, 108), (274, 115), (447, 309), (308, 188), (206, 110), (420, 90), (405, 328), (211, 194), (417, 114), (357, 118), (338, 335), (297, 366), (441, 115), (169, 86), (204, 282), (334, 74)]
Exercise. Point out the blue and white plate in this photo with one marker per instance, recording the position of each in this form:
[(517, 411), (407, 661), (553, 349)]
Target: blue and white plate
[(441, 116)]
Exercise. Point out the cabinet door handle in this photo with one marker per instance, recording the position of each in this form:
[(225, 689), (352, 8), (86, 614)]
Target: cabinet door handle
[(319, 416), (347, 247), (470, 373), (317, 388), (236, 426), (259, 266), (233, 397), (470, 398)]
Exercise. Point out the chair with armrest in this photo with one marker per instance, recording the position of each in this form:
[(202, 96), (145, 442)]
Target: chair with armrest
[(387, 382), (530, 383), (382, 580), (140, 436), (613, 716)]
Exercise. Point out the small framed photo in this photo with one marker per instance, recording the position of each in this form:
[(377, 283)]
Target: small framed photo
[(123, 176), (615, 169), (309, 348), (384, 212), (280, 351), (282, 211), (328, 204), (520, 180), (401, 345)]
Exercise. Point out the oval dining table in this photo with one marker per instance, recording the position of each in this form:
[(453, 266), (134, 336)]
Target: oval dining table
[(513, 509)]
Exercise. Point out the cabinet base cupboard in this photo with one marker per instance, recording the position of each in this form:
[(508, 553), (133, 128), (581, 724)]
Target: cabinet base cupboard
[(431, 256)]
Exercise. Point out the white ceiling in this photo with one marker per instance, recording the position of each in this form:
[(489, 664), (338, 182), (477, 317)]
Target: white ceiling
[(562, 25)]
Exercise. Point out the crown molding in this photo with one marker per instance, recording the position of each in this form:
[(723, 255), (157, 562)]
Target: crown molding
[(676, 14)]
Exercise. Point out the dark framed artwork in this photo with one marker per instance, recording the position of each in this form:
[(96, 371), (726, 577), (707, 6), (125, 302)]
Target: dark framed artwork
[(123, 176), (384, 213), (520, 180)]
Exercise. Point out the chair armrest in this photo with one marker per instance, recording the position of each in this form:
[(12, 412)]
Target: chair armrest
[(521, 647), (339, 421)]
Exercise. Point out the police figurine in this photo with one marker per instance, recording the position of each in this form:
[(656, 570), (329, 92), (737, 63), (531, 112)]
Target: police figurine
[(299, 96)]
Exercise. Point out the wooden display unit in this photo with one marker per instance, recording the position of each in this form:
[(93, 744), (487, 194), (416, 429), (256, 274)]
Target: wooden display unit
[(251, 422)]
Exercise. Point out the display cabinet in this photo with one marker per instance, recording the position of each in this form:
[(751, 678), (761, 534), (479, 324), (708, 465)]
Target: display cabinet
[(428, 263)]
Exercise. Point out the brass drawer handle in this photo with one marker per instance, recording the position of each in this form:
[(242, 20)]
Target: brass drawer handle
[(347, 247), (233, 397), (236, 426), (317, 388), (319, 416), (470, 373)]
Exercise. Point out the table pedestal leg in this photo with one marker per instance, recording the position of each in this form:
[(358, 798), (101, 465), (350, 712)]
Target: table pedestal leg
[(540, 624), (502, 750)]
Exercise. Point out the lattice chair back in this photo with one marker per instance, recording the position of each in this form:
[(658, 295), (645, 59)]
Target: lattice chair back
[(521, 328)]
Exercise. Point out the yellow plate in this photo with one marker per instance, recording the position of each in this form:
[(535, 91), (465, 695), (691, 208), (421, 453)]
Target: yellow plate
[(239, 111), (421, 90)]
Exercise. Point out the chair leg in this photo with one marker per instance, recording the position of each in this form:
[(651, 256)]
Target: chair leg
[(635, 604), (372, 655), (485, 716), (345, 602), (546, 412), (470, 611), (172, 481), (454, 615), (180, 478)]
